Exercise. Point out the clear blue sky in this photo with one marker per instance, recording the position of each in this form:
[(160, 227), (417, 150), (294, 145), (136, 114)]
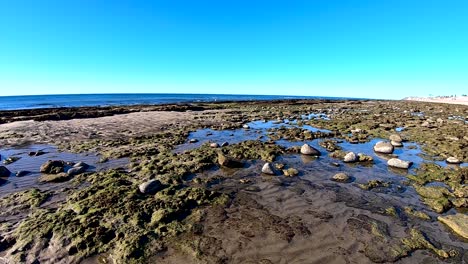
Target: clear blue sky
[(361, 48)]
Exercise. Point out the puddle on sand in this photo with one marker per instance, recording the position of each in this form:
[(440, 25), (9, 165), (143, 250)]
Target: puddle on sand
[(32, 164)]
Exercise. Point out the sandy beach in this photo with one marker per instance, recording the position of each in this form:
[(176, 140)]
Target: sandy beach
[(462, 100), (296, 181)]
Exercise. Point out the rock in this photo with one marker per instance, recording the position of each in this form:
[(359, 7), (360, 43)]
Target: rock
[(268, 169), (193, 140), (291, 172), (395, 138), (398, 163), (383, 147), (453, 160), (36, 153), (75, 171), (225, 144), (4, 172), (53, 166), (396, 144), (306, 149), (364, 158), (214, 145), (60, 177), (10, 160), (150, 187), (22, 173), (81, 164), (350, 157), (245, 126), (356, 131), (225, 161), (458, 223), (341, 177)]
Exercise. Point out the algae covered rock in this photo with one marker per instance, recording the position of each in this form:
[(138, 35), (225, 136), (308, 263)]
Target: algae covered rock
[(229, 162), (53, 167), (60, 177), (291, 172), (341, 177), (458, 223)]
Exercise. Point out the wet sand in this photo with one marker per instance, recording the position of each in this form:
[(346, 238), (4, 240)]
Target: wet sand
[(256, 218)]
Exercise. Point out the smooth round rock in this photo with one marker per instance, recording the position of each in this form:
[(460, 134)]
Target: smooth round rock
[(75, 171), (396, 144), (214, 145), (268, 169), (150, 187), (81, 164), (453, 160), (395, 138), (193, 140), (350, 157), (383, 147), (341, 177), (245, 126), (398, 163), (306, 149)]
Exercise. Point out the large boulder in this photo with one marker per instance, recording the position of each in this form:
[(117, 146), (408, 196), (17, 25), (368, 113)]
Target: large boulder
[(458, 223), (150, 187), (4, 172), (398, 163), (383, 147), (306, 149), (53, 167)]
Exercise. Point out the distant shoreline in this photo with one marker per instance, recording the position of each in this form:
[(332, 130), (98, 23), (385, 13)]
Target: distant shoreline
[(462, 100)]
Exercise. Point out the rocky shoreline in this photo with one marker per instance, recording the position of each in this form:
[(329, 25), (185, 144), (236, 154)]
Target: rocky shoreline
[(304, 181)]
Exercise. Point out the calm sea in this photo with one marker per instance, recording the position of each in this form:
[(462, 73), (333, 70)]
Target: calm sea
[(77, 100)]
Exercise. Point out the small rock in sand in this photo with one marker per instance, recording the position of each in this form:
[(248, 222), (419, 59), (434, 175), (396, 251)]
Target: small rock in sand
[(453, 160), (341, 177), (4, 172), (150, 187), (268, 169), (398, 163), (383, 147), (306, 149), (350, 157)]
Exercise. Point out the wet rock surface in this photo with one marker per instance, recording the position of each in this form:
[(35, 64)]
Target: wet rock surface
[(209, 209)]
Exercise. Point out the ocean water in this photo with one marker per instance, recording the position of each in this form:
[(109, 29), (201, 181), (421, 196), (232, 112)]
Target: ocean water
[(79, 100)]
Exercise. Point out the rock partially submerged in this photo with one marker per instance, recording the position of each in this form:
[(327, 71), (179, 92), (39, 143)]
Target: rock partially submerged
[(350, 157), (150, 187), (229, 162), (291, 172), (22, 173), (268, 169), (458, 223), (76, 170), (452, 160), (398, 163), (341, 177), (53, 167), (4, 172), (396, 138), (306, 149), (383, 147), (59, 177)]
